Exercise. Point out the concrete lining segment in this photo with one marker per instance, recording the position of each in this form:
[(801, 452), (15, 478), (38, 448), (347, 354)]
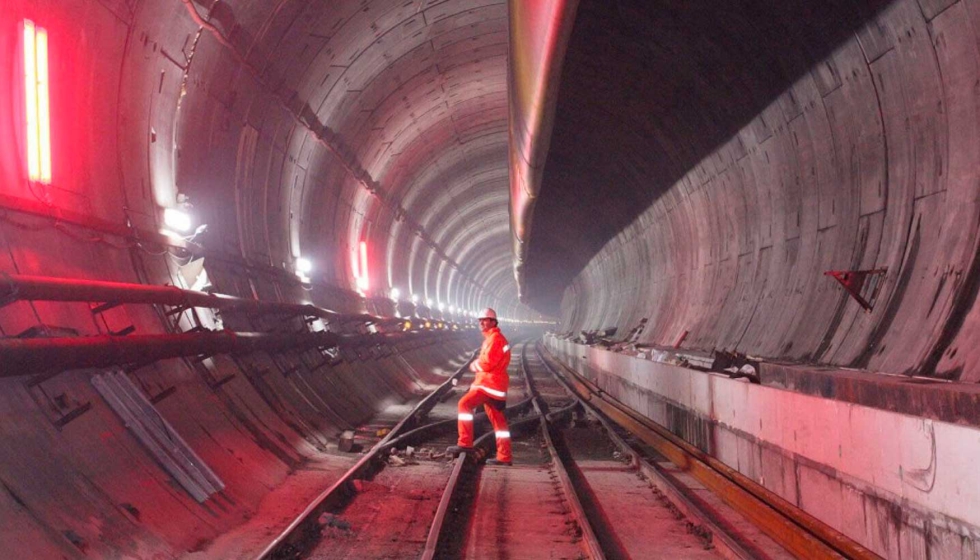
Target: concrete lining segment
[(384, 62), (850, 151)]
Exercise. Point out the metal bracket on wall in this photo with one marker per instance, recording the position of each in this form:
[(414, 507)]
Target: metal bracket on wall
[(863, 285), (222, 381), (59, 409), (124, 331), (207, 369), (102, 308), (176, 310)]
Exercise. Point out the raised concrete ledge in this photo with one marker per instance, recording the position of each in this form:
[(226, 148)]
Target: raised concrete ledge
[(936, 399), (956, 403), (905, 486)]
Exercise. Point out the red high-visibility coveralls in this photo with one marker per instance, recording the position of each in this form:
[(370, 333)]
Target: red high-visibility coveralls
[(489, 389)]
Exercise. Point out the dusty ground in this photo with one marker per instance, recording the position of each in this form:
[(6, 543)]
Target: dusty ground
[(390, 517), (278, 509)]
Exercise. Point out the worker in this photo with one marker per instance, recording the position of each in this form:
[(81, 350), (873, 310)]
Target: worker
[(489, 389)]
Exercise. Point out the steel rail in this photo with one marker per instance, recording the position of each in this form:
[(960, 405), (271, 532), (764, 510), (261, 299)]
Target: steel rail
[(592, 546), (449, 495), (442, 512), (799, 532), (305, 526), (666, 483)]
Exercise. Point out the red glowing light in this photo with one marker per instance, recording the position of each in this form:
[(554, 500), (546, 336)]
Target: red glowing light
[(43, 105), (38, 107), (30, 94), (364, 268), (359, 266), (355, 266)]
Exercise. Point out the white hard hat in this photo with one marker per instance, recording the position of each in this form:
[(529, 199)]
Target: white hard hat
[(489, 314)]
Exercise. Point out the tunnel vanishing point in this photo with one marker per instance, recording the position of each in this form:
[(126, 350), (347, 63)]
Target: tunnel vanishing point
[(261, 222)]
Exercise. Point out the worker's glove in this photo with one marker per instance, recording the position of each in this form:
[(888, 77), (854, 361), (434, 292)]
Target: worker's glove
[(455, 381)]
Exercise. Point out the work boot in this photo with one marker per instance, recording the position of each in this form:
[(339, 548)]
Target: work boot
[(455, 450), (498, 462)]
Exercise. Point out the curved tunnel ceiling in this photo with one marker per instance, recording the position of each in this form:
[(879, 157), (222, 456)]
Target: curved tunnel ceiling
[(709, 163), (427, 114), (332, 124)]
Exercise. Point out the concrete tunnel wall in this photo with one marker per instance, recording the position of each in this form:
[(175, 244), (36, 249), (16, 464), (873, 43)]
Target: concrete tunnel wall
[(301, 128), (867, 160), (295, 129), (762, 145)]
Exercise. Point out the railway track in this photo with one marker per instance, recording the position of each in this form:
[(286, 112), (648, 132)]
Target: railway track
[(304, 534), (373, 510), (617, 491), (581, 498), (744, 519), (591, 479)]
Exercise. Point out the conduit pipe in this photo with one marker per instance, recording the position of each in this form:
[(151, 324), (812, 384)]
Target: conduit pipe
[(26, 356), (20, 287), (539, 33)]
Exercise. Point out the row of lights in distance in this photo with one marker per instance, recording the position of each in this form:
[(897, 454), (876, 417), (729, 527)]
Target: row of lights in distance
[(431, 324), (396, 294), (179, 222)]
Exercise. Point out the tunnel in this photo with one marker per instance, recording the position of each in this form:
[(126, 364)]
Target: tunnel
[(247, 247)]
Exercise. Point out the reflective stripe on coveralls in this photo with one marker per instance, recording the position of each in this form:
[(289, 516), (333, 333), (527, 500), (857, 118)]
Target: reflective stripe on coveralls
[(476, 398), (491, 365), (489, 391)]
